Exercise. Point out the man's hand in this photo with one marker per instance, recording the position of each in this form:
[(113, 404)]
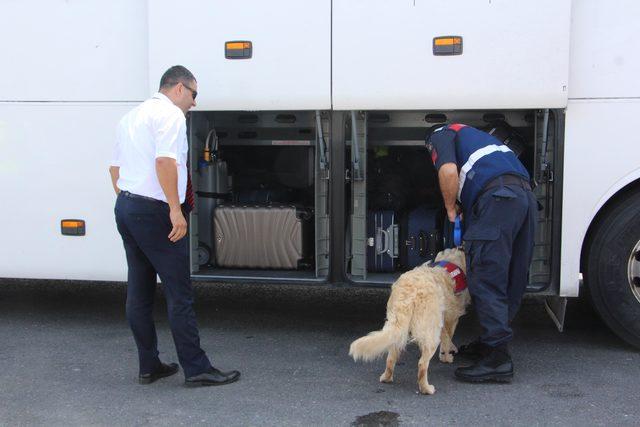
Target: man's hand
[(114, 171), (179, 229), (167, 171), (452, 213)]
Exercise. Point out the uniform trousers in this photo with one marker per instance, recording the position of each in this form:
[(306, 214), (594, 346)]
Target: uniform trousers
[(498, 238), (144, 225)]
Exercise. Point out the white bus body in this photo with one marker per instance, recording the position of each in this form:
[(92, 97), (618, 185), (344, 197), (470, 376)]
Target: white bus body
[(72, 69)]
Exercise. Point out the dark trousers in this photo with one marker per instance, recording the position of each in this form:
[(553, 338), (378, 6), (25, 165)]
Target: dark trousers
[(499, 237), (144, 225)]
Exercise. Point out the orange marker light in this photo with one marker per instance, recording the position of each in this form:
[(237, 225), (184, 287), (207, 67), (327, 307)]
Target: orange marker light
[(238, 49), (447, 41), (447, 45), (72, 227)]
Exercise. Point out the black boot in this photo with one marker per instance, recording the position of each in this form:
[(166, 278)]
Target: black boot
[(495, 366), (473, 351)]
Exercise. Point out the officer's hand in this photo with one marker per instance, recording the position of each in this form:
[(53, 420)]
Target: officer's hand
[(179, 229), (453, 213)]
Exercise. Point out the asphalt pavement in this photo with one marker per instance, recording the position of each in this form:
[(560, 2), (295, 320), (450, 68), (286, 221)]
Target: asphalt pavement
[(68, 358)]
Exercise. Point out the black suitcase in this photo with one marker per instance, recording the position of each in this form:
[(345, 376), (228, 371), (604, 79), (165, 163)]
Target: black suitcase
[(262, 236), (507, 135), (422, 238), (382, 241)]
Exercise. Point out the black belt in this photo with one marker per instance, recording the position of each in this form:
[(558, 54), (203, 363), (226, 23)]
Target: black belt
[(137, 196), (184, 206), (507, 180)]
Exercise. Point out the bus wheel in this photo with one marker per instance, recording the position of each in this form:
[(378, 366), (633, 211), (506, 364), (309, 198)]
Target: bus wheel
[(612, 271)]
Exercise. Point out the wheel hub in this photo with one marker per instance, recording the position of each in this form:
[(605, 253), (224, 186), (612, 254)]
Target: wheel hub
[(633, 271)]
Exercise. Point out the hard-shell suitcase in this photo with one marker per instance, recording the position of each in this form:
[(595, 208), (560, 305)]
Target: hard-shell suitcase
[(421, 237), (382, 241), (255, 236)]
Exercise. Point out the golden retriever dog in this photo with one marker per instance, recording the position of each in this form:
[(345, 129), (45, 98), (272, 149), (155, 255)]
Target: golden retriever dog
[(423, 305)]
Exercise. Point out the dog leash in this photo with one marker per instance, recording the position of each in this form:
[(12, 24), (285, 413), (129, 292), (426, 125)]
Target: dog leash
[(457, 231)]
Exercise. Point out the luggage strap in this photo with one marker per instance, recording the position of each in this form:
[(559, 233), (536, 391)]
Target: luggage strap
[(456, 274)]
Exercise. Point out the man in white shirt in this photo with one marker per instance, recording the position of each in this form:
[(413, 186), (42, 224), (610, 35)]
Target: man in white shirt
[(149, 174)]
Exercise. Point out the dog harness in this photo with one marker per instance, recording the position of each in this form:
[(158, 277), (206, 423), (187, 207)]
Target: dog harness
[(456, 274)]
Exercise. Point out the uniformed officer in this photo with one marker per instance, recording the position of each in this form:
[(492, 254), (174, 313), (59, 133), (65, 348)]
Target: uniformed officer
[(499, 213)]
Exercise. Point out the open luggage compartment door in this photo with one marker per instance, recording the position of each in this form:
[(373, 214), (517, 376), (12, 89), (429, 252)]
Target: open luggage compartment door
[(287, 65), (503, 54), (322, 214), (358, 195)]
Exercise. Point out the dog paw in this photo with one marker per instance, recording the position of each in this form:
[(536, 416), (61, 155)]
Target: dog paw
[(385, 378), (427, 389), (453, 349), (446, 357)]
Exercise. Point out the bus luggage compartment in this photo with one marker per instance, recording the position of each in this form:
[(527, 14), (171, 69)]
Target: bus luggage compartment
[(271, 223), (390, 169)]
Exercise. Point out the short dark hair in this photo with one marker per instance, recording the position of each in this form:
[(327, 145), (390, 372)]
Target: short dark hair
[(174, 75)]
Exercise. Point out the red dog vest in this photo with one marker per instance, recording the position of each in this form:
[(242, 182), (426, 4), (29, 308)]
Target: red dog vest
[(456, 274)]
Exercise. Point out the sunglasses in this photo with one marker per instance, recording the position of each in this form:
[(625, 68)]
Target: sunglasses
[(194, 93)]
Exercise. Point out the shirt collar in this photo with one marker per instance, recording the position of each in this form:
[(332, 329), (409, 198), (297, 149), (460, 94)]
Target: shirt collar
[(162, 96)]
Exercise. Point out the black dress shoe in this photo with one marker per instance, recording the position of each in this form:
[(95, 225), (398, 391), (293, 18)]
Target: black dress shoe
[(163, 371), (475, 350), (212, 377), (495, 366)]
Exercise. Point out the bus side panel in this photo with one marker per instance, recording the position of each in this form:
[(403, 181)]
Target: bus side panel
[(515, 54), (92, 50), (290, 67), (54, 166), (601, 156), (599, 67)]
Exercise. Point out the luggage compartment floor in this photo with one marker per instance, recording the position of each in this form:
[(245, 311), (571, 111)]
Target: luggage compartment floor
[(240, 275), (378, 279)]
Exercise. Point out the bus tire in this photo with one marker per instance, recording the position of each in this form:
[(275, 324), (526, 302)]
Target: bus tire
[(612, 271)]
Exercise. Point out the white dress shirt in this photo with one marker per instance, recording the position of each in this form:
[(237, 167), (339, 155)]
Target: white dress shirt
[(155, 128)]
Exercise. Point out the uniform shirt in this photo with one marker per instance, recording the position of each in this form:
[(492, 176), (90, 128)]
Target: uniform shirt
[(480, 157), (155, 128)]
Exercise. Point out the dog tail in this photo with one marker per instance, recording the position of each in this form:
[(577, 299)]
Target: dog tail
[(394, 334)]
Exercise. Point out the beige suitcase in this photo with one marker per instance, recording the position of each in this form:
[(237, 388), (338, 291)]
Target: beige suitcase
[(255, 236)]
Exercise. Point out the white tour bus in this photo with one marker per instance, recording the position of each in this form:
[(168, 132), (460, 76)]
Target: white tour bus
[(323, 105)]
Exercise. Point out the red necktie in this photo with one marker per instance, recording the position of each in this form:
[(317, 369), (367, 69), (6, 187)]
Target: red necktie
[(189, 198)]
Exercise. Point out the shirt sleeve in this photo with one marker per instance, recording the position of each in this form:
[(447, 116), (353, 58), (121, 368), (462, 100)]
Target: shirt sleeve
[(168, 132), (441, 146)]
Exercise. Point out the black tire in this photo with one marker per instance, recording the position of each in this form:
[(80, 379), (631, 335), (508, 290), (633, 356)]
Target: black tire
[(613, 241)]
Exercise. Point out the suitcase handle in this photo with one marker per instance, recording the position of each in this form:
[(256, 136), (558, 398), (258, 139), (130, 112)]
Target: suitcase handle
[(388, 244), (382, 245), (427, 247), (422, 244)]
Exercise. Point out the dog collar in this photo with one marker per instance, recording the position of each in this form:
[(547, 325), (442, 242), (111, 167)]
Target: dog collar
[(456, 274)]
